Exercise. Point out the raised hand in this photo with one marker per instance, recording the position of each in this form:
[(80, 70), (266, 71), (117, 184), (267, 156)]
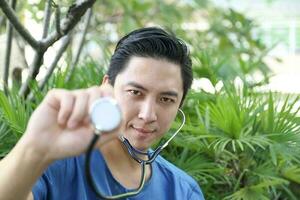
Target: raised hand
[(60, 126)]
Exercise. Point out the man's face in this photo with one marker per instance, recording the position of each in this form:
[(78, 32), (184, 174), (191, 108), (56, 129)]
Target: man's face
[(149, 92)]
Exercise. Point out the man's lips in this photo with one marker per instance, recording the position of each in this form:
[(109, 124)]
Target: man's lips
[(143, 130)]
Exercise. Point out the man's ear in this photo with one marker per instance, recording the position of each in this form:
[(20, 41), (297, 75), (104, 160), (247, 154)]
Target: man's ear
[(105, 79)]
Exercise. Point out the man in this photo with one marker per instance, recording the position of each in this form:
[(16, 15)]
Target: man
[(149, 76)]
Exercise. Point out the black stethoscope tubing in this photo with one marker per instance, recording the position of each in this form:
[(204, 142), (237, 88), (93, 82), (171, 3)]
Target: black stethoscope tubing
[(133, 153)]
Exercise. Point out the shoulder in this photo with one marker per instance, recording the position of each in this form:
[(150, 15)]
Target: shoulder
[(171, 170), (71, 166), (59, 172), (66, 176), (54, 178), (178, 177), (65, 166)]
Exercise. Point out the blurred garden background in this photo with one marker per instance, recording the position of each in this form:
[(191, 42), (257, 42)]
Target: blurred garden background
[(242, 136)]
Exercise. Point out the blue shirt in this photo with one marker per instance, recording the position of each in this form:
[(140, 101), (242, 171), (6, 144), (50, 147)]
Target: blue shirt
[(66, 180)]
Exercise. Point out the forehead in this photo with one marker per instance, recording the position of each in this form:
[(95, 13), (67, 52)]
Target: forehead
[(152, 73)]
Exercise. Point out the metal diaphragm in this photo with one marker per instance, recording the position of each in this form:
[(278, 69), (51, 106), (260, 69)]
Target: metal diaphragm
[(105, 114)]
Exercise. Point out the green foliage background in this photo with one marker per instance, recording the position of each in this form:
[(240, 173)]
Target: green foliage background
[(237, 143)]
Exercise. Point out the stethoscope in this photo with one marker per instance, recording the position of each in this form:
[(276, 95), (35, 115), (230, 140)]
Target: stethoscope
[(105, 115)]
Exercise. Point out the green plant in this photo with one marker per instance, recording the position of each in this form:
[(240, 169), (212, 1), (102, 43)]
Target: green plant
[(229, 49), (241, 145), (15, 111), (14, 114)]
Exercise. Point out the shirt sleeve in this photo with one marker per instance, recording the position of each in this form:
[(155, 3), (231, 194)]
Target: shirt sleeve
[(40, 188), (51, 182), (196, 193)]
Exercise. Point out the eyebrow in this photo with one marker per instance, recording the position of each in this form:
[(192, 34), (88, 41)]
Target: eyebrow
[(136, 85), (168, 93)]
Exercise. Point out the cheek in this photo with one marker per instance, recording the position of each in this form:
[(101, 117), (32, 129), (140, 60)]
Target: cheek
[(166, 120)]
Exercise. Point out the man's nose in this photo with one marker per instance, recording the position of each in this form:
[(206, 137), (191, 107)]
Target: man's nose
[(147, 111)]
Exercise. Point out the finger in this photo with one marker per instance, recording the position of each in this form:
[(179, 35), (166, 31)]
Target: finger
[(61, 101), (94, 94), (107, 90), (80, 110), (66, 107), (99, 91)]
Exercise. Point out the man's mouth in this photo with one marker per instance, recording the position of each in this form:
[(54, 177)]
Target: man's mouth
[(143, 130)]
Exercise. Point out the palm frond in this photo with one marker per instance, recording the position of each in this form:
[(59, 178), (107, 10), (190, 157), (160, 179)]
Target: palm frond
[(15, 112), (292, 173)]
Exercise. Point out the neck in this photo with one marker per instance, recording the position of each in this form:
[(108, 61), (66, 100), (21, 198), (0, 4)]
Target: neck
[(117, 152), (120, 163)]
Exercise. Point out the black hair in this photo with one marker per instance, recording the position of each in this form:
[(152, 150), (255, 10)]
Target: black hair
[(152, 42)]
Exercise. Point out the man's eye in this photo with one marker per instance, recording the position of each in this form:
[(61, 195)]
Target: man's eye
[(135, 92), (167, 100)]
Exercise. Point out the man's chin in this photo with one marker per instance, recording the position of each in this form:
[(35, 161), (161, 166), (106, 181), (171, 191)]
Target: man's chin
[(136, 143), (140, 147)]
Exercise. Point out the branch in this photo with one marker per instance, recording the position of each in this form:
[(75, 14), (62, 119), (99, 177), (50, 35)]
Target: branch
[(9, 35), (63, 47), (10, 14), (65, 42), (47, 15), (75, 12), (1, 20), (39, 53), (57, 20), (37, 62), (75, 61)]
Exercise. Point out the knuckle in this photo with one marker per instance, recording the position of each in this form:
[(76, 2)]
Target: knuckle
[(51, 92), (78, 94), (67, 109), (94, 89)]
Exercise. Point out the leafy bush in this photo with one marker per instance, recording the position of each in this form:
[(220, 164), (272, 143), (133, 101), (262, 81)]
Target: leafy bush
[(238, 144), (241, 145)]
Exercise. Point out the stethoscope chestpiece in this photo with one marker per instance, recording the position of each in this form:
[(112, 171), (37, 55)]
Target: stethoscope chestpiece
[(105, 115)]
